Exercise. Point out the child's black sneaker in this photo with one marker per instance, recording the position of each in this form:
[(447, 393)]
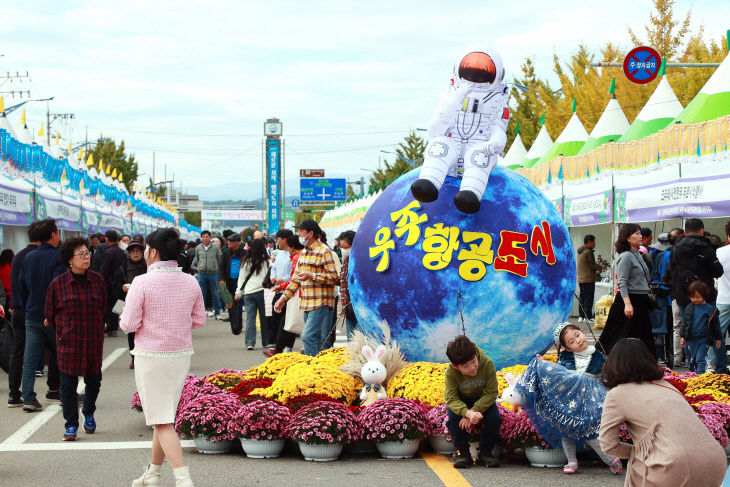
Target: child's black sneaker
[(462, 460), (489, 462)]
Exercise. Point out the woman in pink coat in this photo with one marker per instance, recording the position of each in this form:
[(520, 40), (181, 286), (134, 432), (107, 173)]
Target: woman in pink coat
[(671, 445), (162, 308)]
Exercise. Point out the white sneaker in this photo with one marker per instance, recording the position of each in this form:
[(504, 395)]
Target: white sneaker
[(209, 314), (581, 319), (287, 350)]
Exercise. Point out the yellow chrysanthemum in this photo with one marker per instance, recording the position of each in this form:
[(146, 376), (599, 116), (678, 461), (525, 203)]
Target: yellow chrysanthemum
[(550, 357), (421, 381), (226, 381), (312, 378), (275, 365), (716, 385), (332, 357)]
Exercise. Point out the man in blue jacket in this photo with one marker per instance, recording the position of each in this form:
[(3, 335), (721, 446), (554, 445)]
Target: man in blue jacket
[(39, 268)]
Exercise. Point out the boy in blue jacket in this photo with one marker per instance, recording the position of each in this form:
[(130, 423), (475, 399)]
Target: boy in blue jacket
[(700, 327)]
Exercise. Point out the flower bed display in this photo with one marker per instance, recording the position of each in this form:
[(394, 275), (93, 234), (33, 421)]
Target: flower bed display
[(323, 422), (311, 400), (421, 381)]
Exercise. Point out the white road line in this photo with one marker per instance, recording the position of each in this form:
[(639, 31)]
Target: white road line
[(41, 418), (83, 445)]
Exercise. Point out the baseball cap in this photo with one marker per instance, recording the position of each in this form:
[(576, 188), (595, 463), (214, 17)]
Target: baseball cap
[(234, 237), (309, 225), (133, 244)]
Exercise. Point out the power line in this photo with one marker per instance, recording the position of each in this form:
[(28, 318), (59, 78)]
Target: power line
[(202, 134)]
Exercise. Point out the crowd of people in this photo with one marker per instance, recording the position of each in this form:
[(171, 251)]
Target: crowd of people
[(673, 295)]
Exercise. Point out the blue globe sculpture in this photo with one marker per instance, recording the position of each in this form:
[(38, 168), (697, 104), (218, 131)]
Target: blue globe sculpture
[(424, 268)]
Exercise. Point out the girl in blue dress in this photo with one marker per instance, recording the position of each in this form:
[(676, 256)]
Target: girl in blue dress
[(564, 401)]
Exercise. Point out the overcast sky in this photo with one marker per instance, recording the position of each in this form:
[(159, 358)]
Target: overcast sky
[(194, 81)]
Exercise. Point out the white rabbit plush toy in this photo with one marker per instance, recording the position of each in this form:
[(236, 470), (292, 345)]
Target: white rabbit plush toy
[(373, 374), (510, 395)]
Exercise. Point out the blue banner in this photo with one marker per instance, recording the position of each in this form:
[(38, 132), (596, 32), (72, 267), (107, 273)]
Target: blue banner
[(273, 163)]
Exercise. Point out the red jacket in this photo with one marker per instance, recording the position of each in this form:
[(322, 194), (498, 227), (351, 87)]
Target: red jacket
[(284, 285), (76, 310)]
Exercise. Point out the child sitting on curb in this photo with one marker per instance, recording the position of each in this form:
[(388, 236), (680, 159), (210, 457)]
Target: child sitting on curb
[(470, 392)]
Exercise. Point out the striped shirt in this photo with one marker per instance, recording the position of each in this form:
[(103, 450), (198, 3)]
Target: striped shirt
[(319, 291)]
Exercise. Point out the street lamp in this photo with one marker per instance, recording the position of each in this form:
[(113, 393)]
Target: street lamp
[(404, 159)]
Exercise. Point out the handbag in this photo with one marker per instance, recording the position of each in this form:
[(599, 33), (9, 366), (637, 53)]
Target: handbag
[(118, 308), (294, 320), (6, 345), (267, 284), (225, 296)]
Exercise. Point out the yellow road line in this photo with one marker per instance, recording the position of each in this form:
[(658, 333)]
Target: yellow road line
[(445, 470)]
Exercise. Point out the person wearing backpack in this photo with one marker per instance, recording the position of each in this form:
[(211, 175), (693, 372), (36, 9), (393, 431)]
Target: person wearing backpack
[(663, 331), (693, 259)]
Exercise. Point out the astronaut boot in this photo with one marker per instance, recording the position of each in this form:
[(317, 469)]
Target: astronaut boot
[(466, 202), (424, 190)]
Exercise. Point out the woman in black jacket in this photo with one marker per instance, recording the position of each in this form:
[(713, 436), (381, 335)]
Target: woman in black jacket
[(133, 266)]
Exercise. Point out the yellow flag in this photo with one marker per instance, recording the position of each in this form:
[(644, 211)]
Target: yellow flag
[(114, 173), (81, 185), (63, 175), (40, 131), (81, 154), (90, 161), (58, 137), (101, 166), (108, 169), (121, 179), (69, 147), (22, 118), (2, 103)]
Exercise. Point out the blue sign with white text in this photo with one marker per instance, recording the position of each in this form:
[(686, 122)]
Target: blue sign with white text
[(273, 160), (322, 189)]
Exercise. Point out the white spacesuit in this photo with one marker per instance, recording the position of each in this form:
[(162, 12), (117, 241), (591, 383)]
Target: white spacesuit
[(467, 131)]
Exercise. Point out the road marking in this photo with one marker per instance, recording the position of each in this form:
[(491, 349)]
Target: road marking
[(83, 445), (445, 470), (41, 418)]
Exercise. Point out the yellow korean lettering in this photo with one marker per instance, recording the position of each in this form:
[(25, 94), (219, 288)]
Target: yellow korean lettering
[(383, 245), (408, 221), (439, 244), (476, 257)]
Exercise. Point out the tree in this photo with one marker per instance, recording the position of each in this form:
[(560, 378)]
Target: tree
[(410, 149), (192, 217), (528, 106), (114, 155), (660, 30)]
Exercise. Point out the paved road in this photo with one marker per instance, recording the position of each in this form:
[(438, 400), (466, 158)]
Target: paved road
[(32, 453)]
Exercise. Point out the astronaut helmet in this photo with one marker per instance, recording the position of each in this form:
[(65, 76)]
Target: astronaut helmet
[(481, 68)]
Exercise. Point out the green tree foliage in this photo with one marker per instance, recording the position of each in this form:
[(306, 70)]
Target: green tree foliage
[(192, 217), (410, 149), (112, 154), (528, 106)]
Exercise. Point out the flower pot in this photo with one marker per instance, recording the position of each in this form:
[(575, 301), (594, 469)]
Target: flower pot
[(362, 447), (204, 445), (262, 448), (398, 449), (320, 453), (441, 445), (545, 457)]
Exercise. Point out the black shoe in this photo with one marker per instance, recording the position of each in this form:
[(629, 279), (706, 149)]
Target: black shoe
[(466, 202), (15, 402), (489, 462), (424, 191), (53, 396), (32, 407), (463, 460)]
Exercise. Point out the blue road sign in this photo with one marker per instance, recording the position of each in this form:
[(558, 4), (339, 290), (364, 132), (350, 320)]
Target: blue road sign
[(322, 189), (642, 64), (295, 203)]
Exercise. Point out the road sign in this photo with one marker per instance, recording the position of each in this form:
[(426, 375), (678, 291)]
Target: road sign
[(295, 203), (321, 189), (641, 65), (288, 215), (311, 173)]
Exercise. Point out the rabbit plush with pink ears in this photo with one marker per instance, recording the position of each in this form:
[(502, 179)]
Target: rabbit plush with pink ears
[(373, 374), (510, 395)]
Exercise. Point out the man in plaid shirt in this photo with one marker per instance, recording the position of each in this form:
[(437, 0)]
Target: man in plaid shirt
[(316, 276)]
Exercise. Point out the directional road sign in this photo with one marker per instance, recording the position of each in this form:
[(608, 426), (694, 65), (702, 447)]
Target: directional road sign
[(322, 189), (295, 203), (641, 65)]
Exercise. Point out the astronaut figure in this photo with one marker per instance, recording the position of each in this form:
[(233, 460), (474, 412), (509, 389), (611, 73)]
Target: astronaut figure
[(467, 131)]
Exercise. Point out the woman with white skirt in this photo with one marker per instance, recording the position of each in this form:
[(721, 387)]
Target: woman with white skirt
[(162, 308)]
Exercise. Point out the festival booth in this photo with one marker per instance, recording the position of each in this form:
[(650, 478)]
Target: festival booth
[(38, 181)]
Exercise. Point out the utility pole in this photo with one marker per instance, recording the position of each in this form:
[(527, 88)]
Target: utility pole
[(153, 169), (64, 116), (8, 76)]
